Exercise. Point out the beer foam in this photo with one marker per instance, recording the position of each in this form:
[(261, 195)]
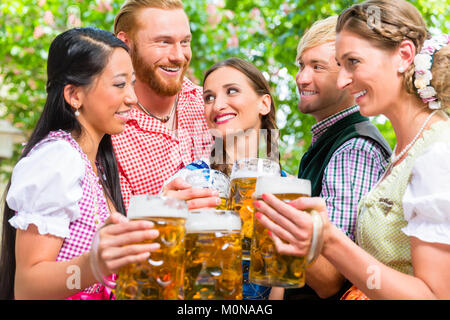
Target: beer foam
[(212, 220), (144, 206), (282, 185)]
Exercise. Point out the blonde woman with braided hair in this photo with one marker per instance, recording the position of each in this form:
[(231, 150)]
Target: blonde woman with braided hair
[(392, 66)]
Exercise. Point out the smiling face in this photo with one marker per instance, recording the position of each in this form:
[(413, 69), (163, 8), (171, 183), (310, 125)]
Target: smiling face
[(161, 49), (108, 100), (369, 73), (316, 82), (231, 103)]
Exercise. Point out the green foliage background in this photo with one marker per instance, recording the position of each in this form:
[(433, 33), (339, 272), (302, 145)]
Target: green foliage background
[(265, 32)]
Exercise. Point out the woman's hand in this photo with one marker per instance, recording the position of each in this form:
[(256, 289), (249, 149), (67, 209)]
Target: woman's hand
[(195, 198), (121, 242), (290, 225)]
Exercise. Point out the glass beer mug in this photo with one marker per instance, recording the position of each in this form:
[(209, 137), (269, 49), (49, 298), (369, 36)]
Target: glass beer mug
[(160, 277), (243, 181), (213, 268), (267, 266), (213, 179)]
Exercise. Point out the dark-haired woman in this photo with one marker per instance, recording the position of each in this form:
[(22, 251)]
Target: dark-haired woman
[(66, 183)]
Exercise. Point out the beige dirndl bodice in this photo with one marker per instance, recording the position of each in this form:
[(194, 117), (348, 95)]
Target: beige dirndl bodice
[(380, 212)]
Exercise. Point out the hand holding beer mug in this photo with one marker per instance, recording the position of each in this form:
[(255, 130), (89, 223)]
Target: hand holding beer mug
[(269, 266), (213, 269), (243, 181), (160, 276)]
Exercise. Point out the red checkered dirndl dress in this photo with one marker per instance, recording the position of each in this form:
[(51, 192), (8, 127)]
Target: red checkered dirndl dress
[(94, 212)]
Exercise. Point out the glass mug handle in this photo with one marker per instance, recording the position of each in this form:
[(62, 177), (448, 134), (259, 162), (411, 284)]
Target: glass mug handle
[(95, 267)]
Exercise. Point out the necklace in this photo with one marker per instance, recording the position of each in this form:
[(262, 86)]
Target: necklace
[(162, 119), (395, 158)]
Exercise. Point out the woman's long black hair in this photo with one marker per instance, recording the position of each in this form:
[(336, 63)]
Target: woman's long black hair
[(76, 57)]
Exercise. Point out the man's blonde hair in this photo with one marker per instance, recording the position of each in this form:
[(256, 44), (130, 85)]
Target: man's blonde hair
[(126, 18), (322, 31)]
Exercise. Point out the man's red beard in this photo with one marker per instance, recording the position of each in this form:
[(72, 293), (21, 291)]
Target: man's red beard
[(149, 75)]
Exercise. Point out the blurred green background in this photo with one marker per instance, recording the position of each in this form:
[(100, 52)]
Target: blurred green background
[(265, 32)]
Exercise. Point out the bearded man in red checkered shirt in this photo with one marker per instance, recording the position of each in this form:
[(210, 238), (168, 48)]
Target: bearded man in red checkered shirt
[(167, 129)]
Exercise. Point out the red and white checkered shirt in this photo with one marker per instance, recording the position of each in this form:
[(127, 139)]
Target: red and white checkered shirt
[(148, 153)]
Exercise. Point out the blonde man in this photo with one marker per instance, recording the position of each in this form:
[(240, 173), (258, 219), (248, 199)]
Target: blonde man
[(347, 155), (167, 129)]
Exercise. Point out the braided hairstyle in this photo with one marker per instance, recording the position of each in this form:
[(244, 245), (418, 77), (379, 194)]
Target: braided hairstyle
[(76, 56), (386, 23)]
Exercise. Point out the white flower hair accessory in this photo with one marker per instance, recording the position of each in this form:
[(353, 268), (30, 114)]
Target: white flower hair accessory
[(422, 67)]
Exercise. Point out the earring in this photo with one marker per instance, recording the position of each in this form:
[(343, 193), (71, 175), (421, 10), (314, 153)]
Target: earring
[(401, 70)]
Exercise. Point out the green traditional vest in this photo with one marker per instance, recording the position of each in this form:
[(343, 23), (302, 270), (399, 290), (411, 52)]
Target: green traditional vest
[(315, 160)]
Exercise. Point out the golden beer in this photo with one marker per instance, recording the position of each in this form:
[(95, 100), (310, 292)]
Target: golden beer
[(160, 277), (213, 269), (243, 182), (267, 266)]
